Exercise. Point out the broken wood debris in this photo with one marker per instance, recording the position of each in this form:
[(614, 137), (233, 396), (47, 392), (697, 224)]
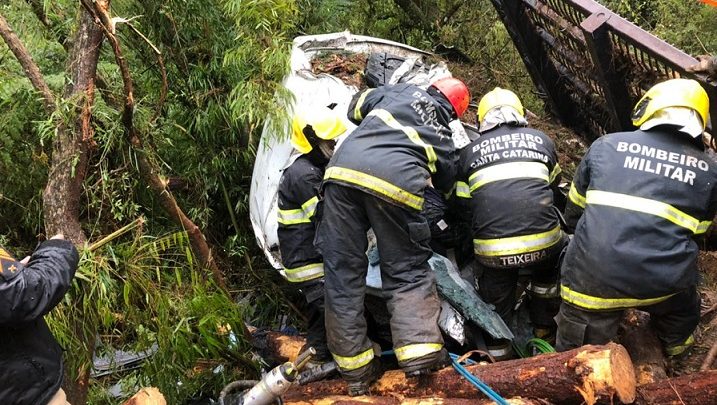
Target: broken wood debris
[(346, 400)]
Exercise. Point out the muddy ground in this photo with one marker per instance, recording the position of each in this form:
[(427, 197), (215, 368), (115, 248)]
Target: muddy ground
[(349, 67)]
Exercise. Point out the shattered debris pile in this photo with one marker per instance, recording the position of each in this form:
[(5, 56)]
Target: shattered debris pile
[(347, 66)]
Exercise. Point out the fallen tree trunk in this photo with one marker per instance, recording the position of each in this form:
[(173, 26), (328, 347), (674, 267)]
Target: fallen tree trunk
[(696, 388), (644, 347), (586, 374), (276, 347), (345, 400)]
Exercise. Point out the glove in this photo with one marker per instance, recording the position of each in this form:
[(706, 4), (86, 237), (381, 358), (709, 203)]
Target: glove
[(706, 64)]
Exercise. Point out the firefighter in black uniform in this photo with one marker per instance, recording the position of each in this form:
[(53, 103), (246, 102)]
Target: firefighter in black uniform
[(637, 203), (313, 135), (376, 179), (30, 358), (510, 173)]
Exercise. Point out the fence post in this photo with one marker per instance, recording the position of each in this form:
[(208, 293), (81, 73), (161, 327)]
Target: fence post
[(617, 96)]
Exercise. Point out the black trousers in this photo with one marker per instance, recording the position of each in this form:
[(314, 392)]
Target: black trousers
[(409, 285), (498, 286), (313, 292), (674, 321)]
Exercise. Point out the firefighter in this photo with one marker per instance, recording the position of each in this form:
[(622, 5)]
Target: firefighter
[(30, 358), (313, 135), (376, 179), (510, 174), (637, 203)]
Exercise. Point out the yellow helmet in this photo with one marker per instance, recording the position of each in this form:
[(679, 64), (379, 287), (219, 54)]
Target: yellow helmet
[(324, 122), (685, 93), (497, 98)]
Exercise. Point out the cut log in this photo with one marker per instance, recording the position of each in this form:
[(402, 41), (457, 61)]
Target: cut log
[(695, 388), (276, 347), (345, 400), (644, 347), (585, 374), (147, 396)]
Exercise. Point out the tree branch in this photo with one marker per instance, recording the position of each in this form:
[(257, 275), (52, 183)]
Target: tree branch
[(32, 71), (414, 13), (148, 170)]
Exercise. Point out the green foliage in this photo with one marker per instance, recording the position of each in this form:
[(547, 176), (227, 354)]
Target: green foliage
[(147, 292), (687, 24)]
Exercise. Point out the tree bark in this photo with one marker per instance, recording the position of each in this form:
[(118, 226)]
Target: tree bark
[(644, 347), (147, 396), (71, 146), (32, 71), (586, 374), (696, 388), (346, 400)]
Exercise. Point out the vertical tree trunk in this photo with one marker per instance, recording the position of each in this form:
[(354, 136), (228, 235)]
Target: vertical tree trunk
[(70, 155)]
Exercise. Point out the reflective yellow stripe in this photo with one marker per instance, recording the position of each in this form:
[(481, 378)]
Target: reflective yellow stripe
[(357, 109), (309, 206), (354, 362), (414, 351), (300, 215), (675, 350), (304, 273), (517, 244), (575, 196), (544, 290), (648, 206), (462, 190), (556, 171), (374, 183), (589, 302), (505, 171), (412, 134)]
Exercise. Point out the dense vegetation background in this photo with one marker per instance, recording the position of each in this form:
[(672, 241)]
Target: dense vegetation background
[(140, 282)]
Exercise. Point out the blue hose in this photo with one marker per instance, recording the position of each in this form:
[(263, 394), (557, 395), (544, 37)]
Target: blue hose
[(483, 387)]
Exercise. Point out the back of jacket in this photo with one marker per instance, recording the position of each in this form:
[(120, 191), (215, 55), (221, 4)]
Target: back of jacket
[(30, 358), (645, 196), (508, 173), (403, 140), (298, 202)]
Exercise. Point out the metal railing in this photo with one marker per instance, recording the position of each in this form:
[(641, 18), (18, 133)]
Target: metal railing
[(589, 64)]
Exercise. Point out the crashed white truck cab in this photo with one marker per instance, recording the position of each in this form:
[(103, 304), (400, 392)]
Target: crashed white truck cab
[(460, 302)]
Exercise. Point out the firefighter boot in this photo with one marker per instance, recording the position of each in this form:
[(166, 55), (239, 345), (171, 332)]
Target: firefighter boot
[(428, 364), (361, 386)]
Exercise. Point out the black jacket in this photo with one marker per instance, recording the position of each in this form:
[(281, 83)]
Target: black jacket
[(637, 203), (298, 201), (402, 142), (30, 358), (508, 173)]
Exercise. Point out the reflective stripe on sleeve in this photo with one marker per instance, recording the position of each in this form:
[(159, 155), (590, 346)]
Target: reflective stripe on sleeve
[(374, 183), (575, 196), (647, 206), (462, 190), (299, 215), (505, 171), (517, 244), (304, 273), (354, 362), (555, 172), (411, 133), (416, 350), (357, 109), (589, 302)]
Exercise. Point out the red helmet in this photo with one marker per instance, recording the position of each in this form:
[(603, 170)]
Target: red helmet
[(456, 92)]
